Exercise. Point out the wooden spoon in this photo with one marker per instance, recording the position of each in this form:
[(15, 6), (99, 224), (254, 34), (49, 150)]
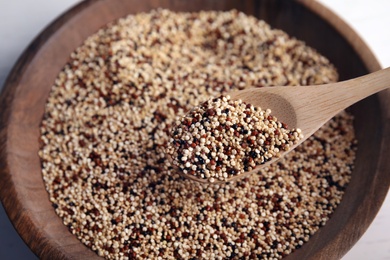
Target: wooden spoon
[(308, 107)]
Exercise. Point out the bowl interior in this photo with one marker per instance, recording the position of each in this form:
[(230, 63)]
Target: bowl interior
[(24, 96)]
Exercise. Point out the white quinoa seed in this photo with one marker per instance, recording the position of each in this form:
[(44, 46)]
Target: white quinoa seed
[(106, 128)]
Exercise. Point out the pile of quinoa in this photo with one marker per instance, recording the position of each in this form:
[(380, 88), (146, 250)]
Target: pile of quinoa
[(106, 128), (223, 138)]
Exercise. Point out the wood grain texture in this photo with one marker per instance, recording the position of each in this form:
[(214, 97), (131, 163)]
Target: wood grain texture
[(27, 87), (310, 107)]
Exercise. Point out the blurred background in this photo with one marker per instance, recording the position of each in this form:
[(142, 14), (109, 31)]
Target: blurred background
[(22, 20)]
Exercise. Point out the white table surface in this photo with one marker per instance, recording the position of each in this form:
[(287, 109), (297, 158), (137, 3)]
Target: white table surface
[(22, 20)]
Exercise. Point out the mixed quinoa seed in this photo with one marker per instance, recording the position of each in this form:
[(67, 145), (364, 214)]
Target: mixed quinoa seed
[(106, 128), (223, 138)]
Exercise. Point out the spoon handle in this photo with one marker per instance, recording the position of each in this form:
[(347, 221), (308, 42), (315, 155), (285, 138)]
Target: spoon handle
[(324, 102), (362, 87)]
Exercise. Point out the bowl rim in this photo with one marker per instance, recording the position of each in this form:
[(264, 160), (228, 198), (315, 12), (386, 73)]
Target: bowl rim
[(17, 210)]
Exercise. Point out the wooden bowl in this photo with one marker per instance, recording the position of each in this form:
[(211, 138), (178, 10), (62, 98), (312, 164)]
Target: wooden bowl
[(26, 89)]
